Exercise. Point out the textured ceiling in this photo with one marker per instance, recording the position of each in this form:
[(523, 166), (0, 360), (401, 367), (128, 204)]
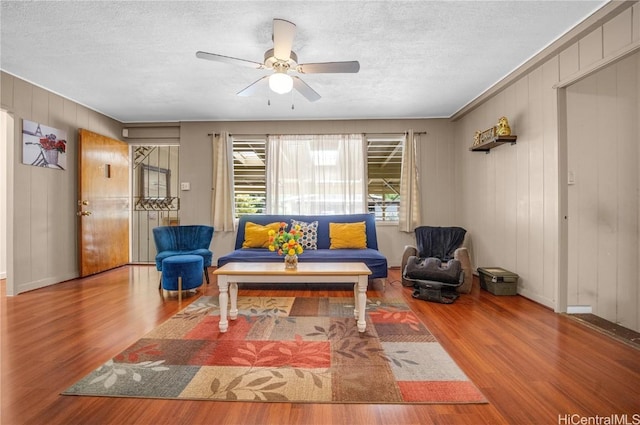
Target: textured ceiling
[(135, 61)]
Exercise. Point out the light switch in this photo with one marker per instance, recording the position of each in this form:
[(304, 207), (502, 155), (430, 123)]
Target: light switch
[(571, 178), (185, 186)]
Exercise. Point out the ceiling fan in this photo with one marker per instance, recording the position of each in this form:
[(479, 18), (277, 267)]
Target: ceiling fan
[(281, 59)]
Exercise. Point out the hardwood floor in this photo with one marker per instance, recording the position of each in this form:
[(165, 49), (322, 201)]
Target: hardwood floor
[(534, 366)]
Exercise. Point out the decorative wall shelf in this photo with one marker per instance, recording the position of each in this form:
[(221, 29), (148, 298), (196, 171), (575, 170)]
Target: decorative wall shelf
[(492, 143)]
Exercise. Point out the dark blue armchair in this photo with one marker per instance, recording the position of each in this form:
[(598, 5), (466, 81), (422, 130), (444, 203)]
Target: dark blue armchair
[(183, 240)]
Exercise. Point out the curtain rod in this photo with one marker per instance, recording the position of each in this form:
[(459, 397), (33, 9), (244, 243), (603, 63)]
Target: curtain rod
[(417, 133)]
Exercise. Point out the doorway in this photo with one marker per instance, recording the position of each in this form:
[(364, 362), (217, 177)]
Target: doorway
[(603, 183), (155, 173)]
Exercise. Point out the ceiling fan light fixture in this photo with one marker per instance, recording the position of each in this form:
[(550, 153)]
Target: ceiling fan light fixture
[(280, 83)]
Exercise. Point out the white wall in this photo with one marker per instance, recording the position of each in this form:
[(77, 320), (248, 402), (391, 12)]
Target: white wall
[(43, 201), (436, 171), (510, 199)]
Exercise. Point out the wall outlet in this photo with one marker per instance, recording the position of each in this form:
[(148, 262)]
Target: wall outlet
[(185, 186)]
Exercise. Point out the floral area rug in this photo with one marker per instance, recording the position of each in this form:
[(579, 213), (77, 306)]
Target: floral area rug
[(286, 349)]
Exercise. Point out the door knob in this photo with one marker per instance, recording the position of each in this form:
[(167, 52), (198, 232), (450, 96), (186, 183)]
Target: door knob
[(83, 213)]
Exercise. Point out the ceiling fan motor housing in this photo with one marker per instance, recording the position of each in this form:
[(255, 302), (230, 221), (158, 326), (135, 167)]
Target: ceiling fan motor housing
[(279, 64)]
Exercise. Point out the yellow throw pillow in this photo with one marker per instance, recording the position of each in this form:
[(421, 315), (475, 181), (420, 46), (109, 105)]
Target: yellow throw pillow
[(348, 235), (257, 236)]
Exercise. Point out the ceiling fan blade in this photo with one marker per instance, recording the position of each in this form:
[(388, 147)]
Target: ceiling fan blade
[(305, 90), (228, 59), (329, 67), (254, 87), (283, 33)]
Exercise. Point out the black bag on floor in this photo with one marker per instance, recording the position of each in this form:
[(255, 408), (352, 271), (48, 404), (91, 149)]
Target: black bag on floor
[(434, 280), (434, 291)]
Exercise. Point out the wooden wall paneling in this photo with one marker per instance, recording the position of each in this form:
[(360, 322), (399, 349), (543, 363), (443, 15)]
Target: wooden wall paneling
[(587, 185), (617, 33), (635, 24), (605, 150), (590, 47), (488, 193), (536, 266), (428, 180), (70, 240), (6, 91), (44, 199), (569, 61), (82, 118), (627, 169), (574, 134), (510, 166), (463, 166), (60, 209), (500, 207), (445, 156), (522, 183), (22, 101), (550, 211), (637, 312), (39, 233), (39, 192)]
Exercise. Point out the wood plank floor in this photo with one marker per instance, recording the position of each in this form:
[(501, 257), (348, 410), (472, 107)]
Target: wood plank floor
[(534, 366)]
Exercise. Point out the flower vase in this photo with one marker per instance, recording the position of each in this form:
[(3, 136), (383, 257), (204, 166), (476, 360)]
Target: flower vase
[(291, 262), (51, 156)]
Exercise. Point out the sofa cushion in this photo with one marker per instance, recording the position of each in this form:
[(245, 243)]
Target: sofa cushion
[(204, 253), (347, 235), (309, 234), (257, 236)]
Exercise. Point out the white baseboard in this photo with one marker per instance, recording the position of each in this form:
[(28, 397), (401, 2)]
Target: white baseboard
[(579, 309)]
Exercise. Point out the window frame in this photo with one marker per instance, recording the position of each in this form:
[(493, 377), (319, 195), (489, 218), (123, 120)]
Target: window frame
[(393, 143)]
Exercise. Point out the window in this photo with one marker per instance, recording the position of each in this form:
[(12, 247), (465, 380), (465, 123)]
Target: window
[(249, 176), (384, 163), (316, 174)]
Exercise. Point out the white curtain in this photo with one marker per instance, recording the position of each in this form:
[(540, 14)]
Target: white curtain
[(316, 174), (409, 210), (222, 205)]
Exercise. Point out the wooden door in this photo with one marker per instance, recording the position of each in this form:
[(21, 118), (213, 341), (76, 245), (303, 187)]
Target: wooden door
[(103, 202)]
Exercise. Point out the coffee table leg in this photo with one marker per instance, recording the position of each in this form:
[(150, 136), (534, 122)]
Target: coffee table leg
[(361, 302), (223, 286), (233, 295)]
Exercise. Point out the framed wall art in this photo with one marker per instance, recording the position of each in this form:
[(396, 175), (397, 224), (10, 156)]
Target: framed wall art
[(43, 146)]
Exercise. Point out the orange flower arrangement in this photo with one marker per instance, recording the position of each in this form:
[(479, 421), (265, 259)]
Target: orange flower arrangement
[(284, 242)]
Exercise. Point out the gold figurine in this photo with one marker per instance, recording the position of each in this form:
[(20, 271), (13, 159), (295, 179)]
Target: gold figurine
[(503, 129), (476, 138)]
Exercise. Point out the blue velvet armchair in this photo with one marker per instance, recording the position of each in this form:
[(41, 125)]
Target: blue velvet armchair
[(183, 240)]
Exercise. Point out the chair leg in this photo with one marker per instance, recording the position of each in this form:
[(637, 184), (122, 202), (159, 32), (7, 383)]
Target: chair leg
[(160, 282), (206, 274)]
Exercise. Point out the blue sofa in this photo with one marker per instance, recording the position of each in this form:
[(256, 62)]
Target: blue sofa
[(376, 262)]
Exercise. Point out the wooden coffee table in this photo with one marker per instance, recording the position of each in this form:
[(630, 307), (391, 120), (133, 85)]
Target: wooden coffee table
[(231, 273)]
